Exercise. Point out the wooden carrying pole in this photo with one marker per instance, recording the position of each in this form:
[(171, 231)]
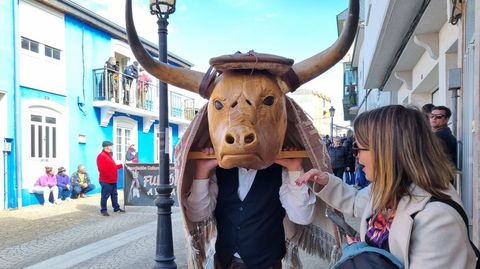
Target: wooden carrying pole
[(198, 155)]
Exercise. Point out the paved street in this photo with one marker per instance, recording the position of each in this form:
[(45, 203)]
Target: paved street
[(74, 235)]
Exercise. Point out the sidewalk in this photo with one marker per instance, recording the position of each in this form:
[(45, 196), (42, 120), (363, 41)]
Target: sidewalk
[(39, 236), (75, 235)]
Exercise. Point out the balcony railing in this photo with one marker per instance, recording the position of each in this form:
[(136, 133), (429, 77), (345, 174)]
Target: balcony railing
[(181, 106), (141, 93), (111, 85)]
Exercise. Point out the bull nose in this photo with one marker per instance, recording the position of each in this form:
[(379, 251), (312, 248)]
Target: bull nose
[(239, 137)]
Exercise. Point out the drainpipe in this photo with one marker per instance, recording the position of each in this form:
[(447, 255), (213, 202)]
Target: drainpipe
[(16, 103), (7, 149), (5, 180), (454, 85)]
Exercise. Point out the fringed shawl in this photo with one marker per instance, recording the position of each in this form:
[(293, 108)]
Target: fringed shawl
[(319, 238)]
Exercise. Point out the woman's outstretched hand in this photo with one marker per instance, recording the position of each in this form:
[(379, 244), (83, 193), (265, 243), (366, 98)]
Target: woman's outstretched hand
[(314, 175)]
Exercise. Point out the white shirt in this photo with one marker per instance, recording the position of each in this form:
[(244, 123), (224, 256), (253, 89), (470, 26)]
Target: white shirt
[(298, 201)]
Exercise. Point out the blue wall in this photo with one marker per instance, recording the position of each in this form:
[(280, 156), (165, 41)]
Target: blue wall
[(86, 49), (8, 27)]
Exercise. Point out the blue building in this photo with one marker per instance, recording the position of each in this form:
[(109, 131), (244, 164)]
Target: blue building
[(59, 99)]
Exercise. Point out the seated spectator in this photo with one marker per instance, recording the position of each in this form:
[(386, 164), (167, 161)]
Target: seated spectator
[(46, 185), (63, 184), (81, 182)]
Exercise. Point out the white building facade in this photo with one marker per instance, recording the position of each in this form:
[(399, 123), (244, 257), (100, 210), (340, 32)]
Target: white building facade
[(415, 52)]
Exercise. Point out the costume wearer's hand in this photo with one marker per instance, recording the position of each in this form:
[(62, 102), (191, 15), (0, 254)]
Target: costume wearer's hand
[(314, 175), (204, 167), (290, 164)]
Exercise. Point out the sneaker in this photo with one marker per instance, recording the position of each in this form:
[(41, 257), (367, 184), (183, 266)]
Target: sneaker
[(68, 199), (105, 214), (47, 204), (119, 211), (58, 201), (82, 195)]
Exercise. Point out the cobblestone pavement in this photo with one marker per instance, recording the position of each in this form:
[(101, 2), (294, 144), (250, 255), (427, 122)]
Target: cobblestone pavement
[(74, 235)]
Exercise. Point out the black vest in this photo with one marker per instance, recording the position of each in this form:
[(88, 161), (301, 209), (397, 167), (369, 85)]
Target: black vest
[(252, 227)]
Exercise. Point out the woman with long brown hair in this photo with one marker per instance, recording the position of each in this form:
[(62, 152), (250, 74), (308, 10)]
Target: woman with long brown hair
[(407, 167)]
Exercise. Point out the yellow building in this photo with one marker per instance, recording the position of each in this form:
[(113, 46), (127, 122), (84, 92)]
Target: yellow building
[(316, 105)]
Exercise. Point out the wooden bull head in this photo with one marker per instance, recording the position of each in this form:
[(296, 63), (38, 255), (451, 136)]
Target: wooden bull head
[(247, 119), (246, 109)]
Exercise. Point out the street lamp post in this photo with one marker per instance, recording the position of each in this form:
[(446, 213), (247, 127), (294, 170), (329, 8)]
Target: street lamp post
[(164, 257), (332, 114)]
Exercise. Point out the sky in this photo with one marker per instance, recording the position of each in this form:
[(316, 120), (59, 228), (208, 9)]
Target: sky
[(200, 30)]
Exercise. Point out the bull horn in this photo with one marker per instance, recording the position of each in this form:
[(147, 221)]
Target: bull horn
[(181, 77), (312, 67)]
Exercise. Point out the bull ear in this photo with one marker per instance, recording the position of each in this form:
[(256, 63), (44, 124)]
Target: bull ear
[(314, 66), (181, 77)]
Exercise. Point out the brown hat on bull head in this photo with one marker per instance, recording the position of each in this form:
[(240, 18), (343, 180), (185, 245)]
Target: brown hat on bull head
[(250, 61)]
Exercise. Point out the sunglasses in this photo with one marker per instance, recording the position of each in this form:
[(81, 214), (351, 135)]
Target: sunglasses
[(436, 117), (356, 149)]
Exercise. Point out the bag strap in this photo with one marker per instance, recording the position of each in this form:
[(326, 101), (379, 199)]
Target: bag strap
[(462, 213)]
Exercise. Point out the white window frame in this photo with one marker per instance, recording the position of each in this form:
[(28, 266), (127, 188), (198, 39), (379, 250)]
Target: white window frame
[(123, 123), (45, 147), (44, 108), (30, 42)]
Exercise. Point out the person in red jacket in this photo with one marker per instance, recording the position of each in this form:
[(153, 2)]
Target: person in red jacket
[(108, 178)]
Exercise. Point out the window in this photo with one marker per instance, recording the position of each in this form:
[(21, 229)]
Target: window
[(124, 134), (176, 105), (30, 45), (43, 137), (44, 143), (123, 138), (52, 52)]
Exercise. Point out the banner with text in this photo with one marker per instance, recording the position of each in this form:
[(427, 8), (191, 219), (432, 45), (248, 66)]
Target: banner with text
[(140, 183)]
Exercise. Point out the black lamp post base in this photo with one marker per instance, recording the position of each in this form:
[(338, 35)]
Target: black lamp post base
[(165, 264), (164, 257)]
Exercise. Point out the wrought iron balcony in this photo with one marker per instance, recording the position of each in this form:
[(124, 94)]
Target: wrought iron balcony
[(115, 91)]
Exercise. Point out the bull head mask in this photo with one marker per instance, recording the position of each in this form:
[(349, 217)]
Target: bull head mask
[(246, 92)]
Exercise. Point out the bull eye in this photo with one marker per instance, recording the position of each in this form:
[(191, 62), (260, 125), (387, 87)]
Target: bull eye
[(218, 105), (268, 100)]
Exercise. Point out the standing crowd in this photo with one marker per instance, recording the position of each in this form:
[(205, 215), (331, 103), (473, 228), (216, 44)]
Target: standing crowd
[(344, 164)]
